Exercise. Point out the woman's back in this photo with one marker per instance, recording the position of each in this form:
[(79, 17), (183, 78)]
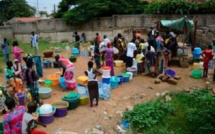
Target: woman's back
[(109, 52), (13, 121)]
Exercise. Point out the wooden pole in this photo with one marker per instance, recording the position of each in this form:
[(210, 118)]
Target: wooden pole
[(194, 35)]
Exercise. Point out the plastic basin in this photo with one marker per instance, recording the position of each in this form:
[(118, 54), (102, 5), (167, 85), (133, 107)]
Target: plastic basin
[(47, 63), (115, 79), (197, 50), (121, 79), (61, 108), (126, 77), (197, 74), (118, 63), (45, 92), (106, 80), (62, 82), (73, 58), (48, 83), (54, 78), (170, 72), (82, 80), (46, 118), (83, 100), (75, 51), (21, 98), (82, 90)]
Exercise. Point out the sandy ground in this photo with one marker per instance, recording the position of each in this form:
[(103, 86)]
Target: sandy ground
[(84, 119)]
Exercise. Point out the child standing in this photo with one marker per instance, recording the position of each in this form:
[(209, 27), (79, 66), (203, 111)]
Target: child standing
[(148, 60), (30, 77), (92, 83), (5, 50), (28, 120), (97, 55), (139, 58), (17, 51), (207, 55)]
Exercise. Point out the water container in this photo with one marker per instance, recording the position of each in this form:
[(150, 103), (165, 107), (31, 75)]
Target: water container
[(114, 81), (75, 51), (121, 79), (21, 98), (197, 50), (201, 65), (131, 75), (210, 65), (85, 53), (106, 71), (132, 70), (181, 51), (195, 66), (62, 82), (82, 90), (106, 80)]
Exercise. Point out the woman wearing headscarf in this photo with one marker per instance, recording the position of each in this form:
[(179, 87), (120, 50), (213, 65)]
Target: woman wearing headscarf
[(109, 57)]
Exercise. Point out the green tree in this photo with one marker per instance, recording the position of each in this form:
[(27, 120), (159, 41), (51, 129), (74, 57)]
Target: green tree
[(14, 8), (43, 13), (76, 12)]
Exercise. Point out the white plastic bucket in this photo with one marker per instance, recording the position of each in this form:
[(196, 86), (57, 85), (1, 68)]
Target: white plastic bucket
[(131, 75), (201, 65)]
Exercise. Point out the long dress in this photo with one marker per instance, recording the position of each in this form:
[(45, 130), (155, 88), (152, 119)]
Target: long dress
[(69, 73), (17, 53), (109, 59)]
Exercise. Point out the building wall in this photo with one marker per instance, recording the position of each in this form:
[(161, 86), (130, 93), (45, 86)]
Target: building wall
[(57, 30)]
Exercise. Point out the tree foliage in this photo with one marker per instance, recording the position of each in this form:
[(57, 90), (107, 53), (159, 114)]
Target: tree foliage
[(180, 7), (79, 11), (84, 10), (14, 8)]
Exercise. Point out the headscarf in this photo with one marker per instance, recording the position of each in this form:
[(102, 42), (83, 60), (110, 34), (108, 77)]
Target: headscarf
[(108, 44)]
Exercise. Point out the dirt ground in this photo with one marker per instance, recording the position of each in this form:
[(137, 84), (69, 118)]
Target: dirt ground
[(83, 119)]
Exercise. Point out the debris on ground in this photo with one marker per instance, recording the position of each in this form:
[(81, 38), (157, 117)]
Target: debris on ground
[(172, 81), (157, 81), (120, 130), (119, 113), (106, 117), (129, 107), (158, 94), (149, 88), (168, 98), (96, 131)]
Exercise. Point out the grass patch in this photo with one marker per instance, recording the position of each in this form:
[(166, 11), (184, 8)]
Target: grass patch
[(187, 113), (43, 46)]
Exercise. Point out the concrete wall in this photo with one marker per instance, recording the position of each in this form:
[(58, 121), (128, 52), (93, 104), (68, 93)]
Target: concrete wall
[(6, 32), (57, 30)]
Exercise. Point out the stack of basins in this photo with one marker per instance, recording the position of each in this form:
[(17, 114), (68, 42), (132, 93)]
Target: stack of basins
[(73, 100), (83, 93), (106, 74), (82, 90), (46, 113), (196, 72)]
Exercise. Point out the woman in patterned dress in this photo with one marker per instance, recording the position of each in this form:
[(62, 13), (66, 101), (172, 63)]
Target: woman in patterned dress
[(13, 119)]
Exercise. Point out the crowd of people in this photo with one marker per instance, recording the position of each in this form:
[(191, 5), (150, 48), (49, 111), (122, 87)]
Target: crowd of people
[(157, 51), (138, 53)]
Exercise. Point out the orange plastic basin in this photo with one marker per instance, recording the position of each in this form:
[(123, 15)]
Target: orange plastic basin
[(106, 68), (54, 78)]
